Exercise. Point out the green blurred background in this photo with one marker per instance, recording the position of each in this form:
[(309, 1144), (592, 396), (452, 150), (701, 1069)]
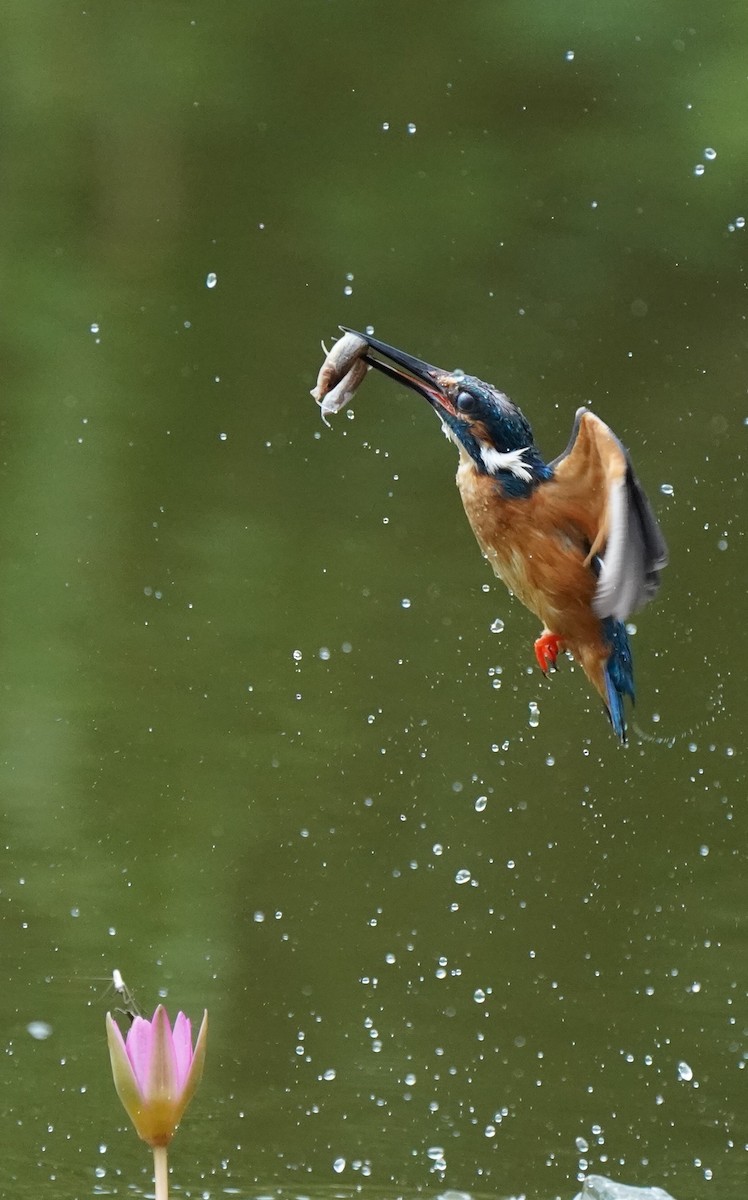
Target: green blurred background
[(256, 727)]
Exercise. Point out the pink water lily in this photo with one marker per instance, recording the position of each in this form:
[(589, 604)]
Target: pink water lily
[(156, 1071)]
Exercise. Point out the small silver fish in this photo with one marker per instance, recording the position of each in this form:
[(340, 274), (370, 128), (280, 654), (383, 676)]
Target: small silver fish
[(338, 362), (344, 392)]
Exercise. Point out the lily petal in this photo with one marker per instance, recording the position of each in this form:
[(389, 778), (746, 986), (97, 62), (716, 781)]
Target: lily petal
[(125, 1080), (194, 1075), (162, 1073), (139, 1043), (182, 1037)]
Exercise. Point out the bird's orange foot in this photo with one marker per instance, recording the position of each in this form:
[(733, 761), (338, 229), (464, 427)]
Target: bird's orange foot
[(547, 649)]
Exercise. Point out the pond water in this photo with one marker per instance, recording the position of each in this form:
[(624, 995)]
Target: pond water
[(274, 741)]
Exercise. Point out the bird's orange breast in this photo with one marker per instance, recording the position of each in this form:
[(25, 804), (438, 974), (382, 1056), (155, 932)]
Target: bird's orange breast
[(538, 546)]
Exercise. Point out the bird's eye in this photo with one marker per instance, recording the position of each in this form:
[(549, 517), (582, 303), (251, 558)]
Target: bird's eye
[(465, 402)]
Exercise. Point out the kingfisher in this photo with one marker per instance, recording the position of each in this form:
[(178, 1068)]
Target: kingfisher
[(574, 539)]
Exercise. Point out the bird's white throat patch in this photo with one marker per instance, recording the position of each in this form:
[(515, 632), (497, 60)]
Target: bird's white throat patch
[(495, 460), (511, 460)]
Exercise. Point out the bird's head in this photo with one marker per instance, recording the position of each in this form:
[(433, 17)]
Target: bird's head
[(486, 426)]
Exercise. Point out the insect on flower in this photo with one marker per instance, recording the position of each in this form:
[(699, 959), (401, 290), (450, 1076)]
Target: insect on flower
[(129, 1007)]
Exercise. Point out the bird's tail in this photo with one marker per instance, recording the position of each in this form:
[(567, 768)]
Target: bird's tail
[(618, 674)]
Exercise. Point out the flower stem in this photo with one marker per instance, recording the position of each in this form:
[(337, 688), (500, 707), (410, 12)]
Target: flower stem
[(161, 1173)]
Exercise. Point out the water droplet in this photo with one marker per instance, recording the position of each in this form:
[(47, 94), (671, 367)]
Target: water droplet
[(385, 126), (348, 290), (684, 1072), (211, 279), (410, 1079), (329, 1074), (581, 1145), (699, 169), (740, 222), (94, 327), (39, 1030), (405, 602), (479, 996), (411, 127), (297, 656), (223, 437), (481, 803), (497, 625), (324, 653), (534, 720), (338, 1166), (710, 154), (462, 876), (569, 56), (258, 917), (667, 489)]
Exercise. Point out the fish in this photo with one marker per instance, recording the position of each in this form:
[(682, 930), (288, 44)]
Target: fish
[(339, 360), (344, 391)]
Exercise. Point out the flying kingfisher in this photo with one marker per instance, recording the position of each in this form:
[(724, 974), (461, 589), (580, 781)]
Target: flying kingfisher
[(574, 539)]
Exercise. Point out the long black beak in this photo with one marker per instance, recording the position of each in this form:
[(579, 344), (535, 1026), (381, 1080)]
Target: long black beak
[(430, 382)]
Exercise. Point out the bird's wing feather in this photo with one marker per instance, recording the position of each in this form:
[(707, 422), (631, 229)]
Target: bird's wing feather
[(595, 471)]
